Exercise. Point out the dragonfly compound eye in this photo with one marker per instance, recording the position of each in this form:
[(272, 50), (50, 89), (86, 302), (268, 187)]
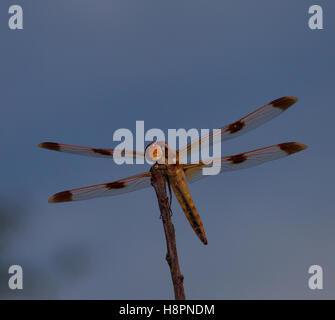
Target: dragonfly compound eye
[(154, 152)]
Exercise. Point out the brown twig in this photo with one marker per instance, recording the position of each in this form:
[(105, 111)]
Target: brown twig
[(158, 181)]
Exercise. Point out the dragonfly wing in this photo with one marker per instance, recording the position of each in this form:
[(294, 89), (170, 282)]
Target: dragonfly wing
[(104, 190), (244, 160), (91, 152), (245, 124)]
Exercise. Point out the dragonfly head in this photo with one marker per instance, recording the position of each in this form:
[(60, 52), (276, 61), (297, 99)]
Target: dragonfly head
[(155, 151)]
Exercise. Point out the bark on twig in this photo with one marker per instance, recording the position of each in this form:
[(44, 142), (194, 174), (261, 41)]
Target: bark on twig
[(159, 183)]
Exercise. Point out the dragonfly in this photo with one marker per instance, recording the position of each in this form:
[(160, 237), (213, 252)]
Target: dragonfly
[(178, 175)]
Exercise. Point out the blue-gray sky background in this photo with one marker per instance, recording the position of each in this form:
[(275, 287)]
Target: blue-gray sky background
[(81, 69)]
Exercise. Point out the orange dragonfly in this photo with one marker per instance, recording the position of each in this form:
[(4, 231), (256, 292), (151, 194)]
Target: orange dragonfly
[(178, 174)]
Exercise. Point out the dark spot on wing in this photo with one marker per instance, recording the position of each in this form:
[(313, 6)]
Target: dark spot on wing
[(50, 145), (238, 158), (119, 153), (115, 185), (284, 102), (61, 197), (292, 147), (102, 151), (236, 126)]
